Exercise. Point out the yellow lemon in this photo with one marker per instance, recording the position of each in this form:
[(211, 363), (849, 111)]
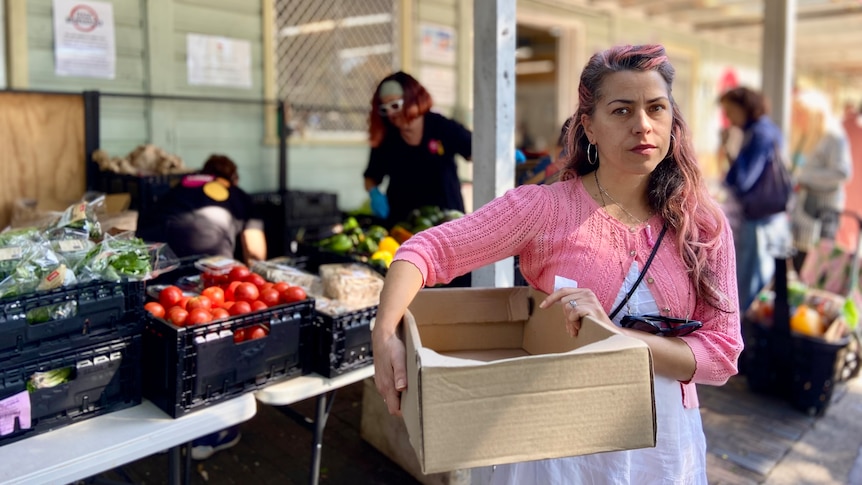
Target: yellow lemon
[(384, 256)]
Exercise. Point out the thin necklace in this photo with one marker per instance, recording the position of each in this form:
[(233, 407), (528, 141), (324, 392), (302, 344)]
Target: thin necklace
[(603, 193)]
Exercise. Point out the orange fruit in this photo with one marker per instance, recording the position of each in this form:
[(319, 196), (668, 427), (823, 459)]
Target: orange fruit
[(807, 321)]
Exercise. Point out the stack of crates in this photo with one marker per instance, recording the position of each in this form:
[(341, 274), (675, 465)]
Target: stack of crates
[(89, 333), (144, 190), (309, 215)]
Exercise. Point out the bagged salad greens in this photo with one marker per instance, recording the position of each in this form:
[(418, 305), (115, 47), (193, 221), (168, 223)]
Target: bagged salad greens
[(78, 221), (125, 257), (34, 267)]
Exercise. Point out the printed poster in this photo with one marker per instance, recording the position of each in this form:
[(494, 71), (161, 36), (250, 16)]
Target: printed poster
[(218, 61), (437, 44), (84, 43)]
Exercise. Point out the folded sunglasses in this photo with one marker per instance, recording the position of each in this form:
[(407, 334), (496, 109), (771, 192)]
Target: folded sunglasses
[(661, 325)]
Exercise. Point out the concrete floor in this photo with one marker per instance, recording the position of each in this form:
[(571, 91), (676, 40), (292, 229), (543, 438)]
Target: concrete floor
[(751, 439)]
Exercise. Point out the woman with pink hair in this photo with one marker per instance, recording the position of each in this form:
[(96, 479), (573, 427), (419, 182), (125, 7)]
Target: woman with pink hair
[(631, 187)]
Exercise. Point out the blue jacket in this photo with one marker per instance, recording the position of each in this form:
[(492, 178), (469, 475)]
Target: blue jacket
[(762, 137)]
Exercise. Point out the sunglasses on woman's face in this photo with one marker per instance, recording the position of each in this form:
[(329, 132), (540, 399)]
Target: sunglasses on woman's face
[(387, 109), (661, 325)]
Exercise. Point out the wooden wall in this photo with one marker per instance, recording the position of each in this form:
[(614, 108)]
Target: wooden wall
[(41, 149)]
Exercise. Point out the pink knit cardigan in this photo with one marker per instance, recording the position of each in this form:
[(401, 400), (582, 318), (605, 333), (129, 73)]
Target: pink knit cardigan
[(559, 229)]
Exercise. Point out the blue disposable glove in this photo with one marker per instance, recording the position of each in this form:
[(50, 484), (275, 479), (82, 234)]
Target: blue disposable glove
[(519, 157), (379, 203)]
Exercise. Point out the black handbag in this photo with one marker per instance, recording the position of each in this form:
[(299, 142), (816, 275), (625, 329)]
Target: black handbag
[(771, 193)]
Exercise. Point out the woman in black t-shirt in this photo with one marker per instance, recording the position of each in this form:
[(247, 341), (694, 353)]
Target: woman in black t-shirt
[(415, 148)]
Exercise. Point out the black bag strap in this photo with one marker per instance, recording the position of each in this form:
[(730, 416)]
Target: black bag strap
[(640, 276)]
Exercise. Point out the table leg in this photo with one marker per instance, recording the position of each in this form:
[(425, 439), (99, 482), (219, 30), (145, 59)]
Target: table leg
[(174, 467), (179, 466), (324, 404)]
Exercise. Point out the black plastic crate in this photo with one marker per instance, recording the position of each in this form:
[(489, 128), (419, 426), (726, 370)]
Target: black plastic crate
[(98, 311), (808, 379), (145, 190), (190, 368), (340, 344), (309, 215), (105, 378), (302, 205)]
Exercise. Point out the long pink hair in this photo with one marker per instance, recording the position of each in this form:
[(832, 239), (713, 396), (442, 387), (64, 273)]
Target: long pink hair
[(676, 189)]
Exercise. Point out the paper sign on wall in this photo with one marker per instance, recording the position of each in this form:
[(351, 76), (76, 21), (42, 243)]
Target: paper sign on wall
[(218, 61), (437, 44), (84, 43)]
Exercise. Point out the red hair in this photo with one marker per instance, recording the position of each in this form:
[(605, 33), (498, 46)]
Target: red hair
[(417, 102), (676, 189)]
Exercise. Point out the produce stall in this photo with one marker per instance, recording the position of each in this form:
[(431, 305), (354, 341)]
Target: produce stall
[(800, 339), (362, 238)]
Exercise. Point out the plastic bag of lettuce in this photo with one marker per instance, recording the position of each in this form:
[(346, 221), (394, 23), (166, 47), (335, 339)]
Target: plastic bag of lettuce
[(125, 257)]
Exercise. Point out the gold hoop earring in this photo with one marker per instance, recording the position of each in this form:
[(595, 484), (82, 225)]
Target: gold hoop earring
[(595, 158)]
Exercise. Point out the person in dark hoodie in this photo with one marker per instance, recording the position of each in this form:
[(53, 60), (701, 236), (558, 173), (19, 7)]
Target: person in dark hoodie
[(207, 214)]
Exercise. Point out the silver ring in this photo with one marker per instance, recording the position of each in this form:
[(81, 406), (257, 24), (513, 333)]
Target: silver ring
[(573, 303)]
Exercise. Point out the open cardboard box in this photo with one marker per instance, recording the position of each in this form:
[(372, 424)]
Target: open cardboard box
[(493, 379)]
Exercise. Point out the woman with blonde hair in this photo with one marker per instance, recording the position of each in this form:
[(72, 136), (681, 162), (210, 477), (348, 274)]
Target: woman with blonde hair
[(822, 165)]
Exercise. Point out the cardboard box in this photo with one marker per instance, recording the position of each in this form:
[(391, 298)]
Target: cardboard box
[(493, 379)]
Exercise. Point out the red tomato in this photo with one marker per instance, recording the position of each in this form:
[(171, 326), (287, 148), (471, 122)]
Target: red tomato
[(240, 308), (270, 296), (256, 279), (246, 292), (281, 286), (183, 302), (228, 304), (170, 296), (258, 305), (199, 302), (156, 309), (215, 294), (177, 315), (292, 294), (238, 273), (198, 316), (220, 313), (255, 332), (229, 292), (267, 285), (238, 335)]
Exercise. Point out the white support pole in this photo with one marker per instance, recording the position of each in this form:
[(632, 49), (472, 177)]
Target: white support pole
[(778, 52), (493, 116)]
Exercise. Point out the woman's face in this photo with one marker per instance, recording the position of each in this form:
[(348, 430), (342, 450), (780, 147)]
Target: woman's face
[(735, 114), (631, 125), (392, 108)]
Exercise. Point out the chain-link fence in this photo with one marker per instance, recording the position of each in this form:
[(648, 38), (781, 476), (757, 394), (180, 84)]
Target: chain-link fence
[(330, 55)]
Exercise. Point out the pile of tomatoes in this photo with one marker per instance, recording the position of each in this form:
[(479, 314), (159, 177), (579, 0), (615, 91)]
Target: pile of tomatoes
[(242, 292)]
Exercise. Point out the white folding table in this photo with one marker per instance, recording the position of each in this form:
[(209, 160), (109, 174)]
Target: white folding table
[(105, 442), (308, 386)]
